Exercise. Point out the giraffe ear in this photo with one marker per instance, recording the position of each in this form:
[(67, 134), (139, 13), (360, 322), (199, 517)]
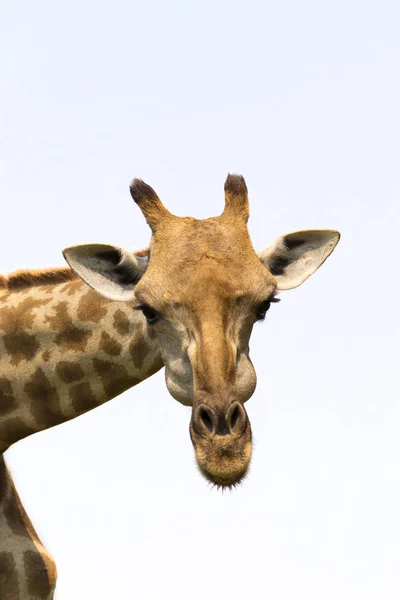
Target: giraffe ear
[(295, 256), (109, 270)]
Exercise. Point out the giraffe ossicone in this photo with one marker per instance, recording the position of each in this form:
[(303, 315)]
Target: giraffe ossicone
[(201, 288)]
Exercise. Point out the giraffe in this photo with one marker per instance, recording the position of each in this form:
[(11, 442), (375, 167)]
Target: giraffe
[(201, 292), (71, 339)]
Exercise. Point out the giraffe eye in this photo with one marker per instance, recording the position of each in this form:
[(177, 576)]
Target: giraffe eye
[(264, 307), (151, 315)]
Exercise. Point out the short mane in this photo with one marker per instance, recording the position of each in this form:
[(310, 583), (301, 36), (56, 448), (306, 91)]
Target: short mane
[(26, 278)]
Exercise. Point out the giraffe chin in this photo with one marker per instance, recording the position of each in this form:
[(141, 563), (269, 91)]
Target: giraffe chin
[(224, 461)]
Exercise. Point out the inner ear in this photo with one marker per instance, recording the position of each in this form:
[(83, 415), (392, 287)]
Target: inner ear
[(109, 270), (286, 253), (295, 256), (116, 267)]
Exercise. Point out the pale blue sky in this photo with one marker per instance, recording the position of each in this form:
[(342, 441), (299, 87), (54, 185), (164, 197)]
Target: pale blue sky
[(303, 99)]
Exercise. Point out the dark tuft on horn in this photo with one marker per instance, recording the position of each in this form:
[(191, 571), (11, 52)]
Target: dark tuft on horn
[(141, 192), (235, 185), (236, 200), (149, 203)]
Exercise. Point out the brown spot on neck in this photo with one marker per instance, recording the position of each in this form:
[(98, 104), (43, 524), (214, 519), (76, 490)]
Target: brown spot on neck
[(38, 579), (9, 584), (138, 347), (69, 335), (114, 377), (92, 307), (121, 322), (12, 430), (45, 405), (82, 397), (15, 322), (17, 519), (8, 402), (14, 319), (69, 372), (109, 345), (20, 346)]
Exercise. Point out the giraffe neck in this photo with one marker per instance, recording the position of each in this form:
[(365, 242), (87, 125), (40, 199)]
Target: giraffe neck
[(26, 568), (63, 351)]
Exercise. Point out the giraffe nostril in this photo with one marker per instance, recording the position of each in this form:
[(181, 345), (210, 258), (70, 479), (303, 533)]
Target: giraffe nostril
[(206, 419), (234, 417)]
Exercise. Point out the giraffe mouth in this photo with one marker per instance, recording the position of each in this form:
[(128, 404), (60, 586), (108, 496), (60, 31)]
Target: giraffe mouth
[(223, 460), (229, 482)]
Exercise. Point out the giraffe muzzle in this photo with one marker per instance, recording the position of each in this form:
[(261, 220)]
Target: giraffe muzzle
[(208, 421), (221, 436)]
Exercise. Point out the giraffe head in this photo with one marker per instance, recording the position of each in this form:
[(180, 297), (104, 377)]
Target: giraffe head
[(201, 288)]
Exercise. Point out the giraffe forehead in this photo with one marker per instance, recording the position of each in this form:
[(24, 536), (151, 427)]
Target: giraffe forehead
[(189, 239), (206, 250), (202, 262)]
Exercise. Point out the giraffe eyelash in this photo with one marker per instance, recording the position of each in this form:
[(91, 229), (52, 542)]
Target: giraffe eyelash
[(265, 306), (152, 316)]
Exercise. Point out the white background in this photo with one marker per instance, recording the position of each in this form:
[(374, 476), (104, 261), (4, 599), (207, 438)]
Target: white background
[(303, 99)]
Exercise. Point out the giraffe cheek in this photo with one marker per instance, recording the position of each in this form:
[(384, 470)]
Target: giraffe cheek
[(180, 388), (246, 379)]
